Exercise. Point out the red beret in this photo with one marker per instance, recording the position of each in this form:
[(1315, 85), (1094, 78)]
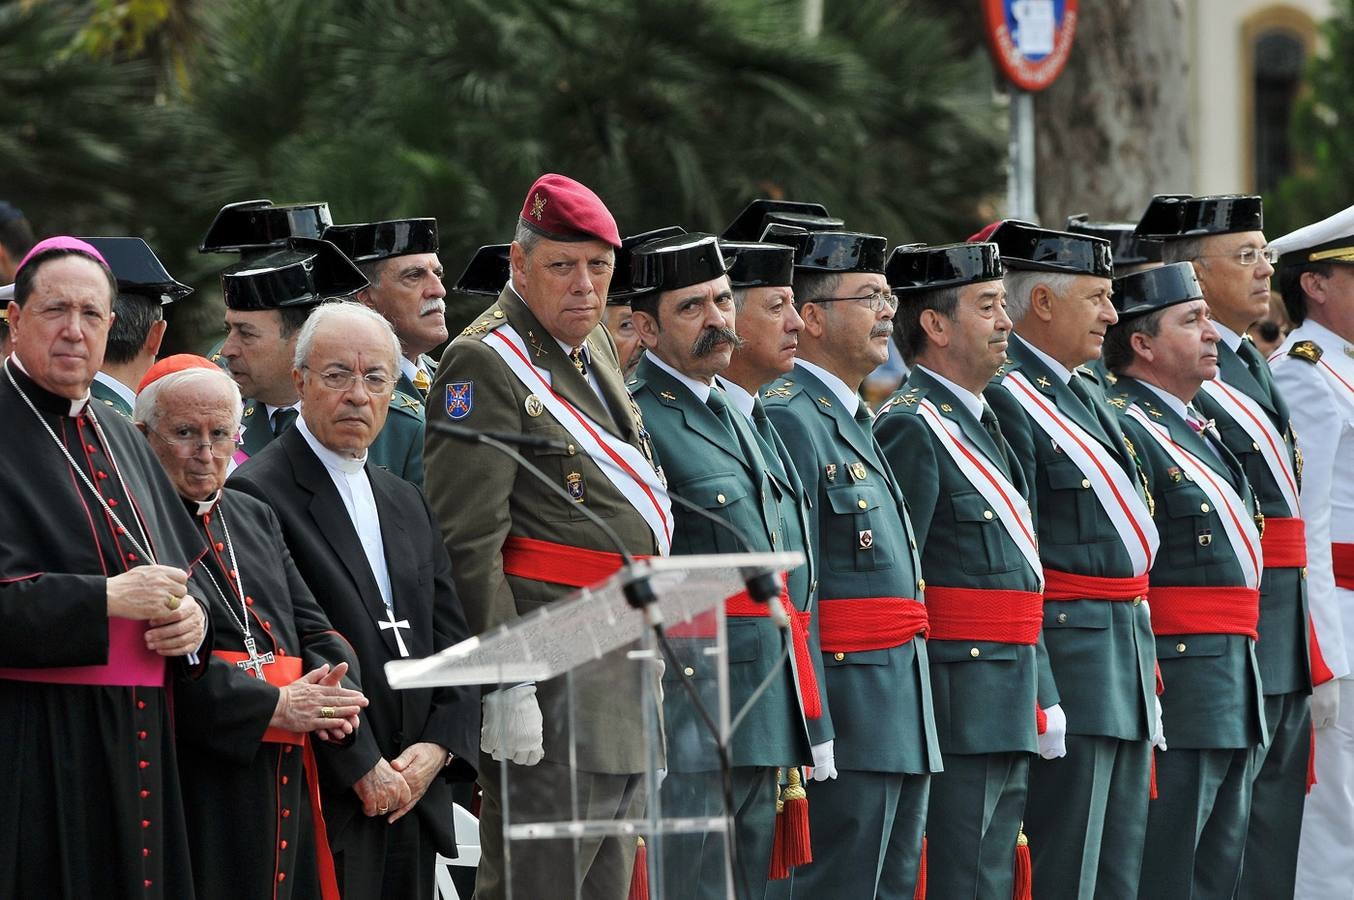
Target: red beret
[(982, 236), (176, 363), (561, 209)]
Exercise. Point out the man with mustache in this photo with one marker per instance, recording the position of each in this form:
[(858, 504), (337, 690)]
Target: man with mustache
[(404, 284), (967, 498), (712, 455), (1087, 808), (871, 614), (1205, 585), (366, 544), (1222, 237)]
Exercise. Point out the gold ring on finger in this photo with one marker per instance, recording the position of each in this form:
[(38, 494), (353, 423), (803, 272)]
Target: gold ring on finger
[(173, 602), (327, 712)]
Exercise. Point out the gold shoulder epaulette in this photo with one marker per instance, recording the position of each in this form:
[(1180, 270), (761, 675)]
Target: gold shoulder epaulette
[(1307, 350)]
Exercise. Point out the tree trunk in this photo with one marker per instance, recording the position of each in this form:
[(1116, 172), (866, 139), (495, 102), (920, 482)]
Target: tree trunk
[(1114, 128)]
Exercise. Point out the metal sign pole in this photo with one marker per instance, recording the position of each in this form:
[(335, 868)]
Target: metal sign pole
[(1020, 180)]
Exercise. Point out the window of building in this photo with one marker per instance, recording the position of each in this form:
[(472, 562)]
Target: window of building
[(1279, 56)]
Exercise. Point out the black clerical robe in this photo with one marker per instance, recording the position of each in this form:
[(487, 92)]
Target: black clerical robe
[(89, 788), (373, 858), (250, 824)]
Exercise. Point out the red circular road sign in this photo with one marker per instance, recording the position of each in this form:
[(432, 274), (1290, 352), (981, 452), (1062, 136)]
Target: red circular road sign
[(1030, 39)]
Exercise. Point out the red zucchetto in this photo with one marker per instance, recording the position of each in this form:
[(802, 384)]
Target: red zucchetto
[(561, 209), (176, 363)]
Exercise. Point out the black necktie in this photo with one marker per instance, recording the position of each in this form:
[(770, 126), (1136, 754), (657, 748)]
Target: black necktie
[(282, 420)]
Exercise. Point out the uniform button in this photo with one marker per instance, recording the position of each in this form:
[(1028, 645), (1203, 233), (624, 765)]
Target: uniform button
[(284, 779), (144, 793), (284, 845), (248, 601), (267, 626), (281, 652), (912, 542), (839, 656), (143, 764), (1254, 445), (91, 448), (987, 514), (220, 546), (121, 530), (861, 503), (975, 652), (286, 749), (1137, 601), (1085, 482), (1204, 507), (281, 876), (286, 814), (232, 574), (145, 823), (145, 851), (688, 671), (921, 584), (1304, 571), (131, 557), (146, 882), (571, 449), (1180, 647), (141, 735), (719, 498), (141, 704), (1062, 618), (112, 501), (101, 475)]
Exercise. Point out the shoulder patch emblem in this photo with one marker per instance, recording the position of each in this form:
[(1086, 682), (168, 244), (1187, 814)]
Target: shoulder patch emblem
[(1306, 350), (1042, 381), (667, 395), (1118, 402), (827, 404), (475, 329), (777, 391), (460, 399)]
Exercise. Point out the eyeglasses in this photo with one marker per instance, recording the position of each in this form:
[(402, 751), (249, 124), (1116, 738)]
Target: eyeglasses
[(343, 380), (1249, 256), (186, 443), (875, 300)]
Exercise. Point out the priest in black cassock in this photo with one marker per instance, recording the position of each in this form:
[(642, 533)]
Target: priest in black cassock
[(95, 616), (366, 543), (275, 677)]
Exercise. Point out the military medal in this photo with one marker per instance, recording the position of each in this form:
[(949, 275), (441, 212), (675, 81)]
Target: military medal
[(534, 406), (1205, 538), (945, 407), (573, 483), (865, 539), (830, 472), (858, 471)]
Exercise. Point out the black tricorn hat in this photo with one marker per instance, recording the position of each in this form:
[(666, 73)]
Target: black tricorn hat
[(1026, 246), (754, 264), (305, 272), (1128, 248), (751, 223), (1154, 289), (622, 289), (1178, 216), (371, 241), (831, 251), (138, 270), (672, 263), (257, 225), (486, 273), (914, 267)]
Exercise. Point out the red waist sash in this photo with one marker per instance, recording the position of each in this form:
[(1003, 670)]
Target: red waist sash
[(1205, 610), (1342, 560), (130, 662), (281, 673), (857, 624), (978, 614), (1072, 586), (577, 567), (1284, 543)]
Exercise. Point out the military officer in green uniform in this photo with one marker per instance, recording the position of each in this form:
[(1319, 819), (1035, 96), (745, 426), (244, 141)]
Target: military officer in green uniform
[(515, 544), (711, 455), (1222, 237), (144, 289), (869, 820), (404, 284), (984, 603), (1205, 600), (1087, 807)]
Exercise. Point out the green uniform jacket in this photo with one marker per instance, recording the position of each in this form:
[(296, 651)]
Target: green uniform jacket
[(481, 497), (880, 699), (1213, 696), (1102, 652), (703, 463), (985, 692), (110, 398), (1282, 650)]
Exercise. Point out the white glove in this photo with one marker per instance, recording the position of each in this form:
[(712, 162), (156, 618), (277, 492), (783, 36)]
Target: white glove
[(1158, 730), (1053, 742), (824, 762), (1326, 703), (512, 728)]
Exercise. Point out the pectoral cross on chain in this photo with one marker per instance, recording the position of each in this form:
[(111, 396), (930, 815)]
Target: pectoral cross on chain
[(390, 623), (254, 665)]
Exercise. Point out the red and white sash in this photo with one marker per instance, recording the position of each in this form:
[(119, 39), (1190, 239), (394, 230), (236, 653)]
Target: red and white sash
[(1113, 488), (1253, 419), (622, 464), (1236, 520), (1010, 506)]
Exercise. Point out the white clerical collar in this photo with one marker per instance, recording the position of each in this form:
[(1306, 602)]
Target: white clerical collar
[(1054, 366), (741, 399), (77, 406), (117, 387), (849, 398), (270, 409), (1229, 337), (972, 402), (335, 462), (699, 388), (204, 507), (1178, 406)]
